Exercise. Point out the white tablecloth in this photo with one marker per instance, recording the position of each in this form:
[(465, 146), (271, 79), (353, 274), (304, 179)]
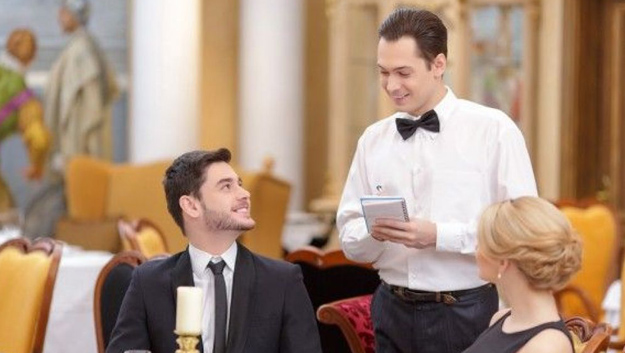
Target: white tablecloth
[(612, 307), (71, 326), (612, 304)]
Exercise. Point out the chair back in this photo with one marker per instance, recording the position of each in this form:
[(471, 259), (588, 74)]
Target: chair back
[(588, 337), (328, 277), (27, 276), (136, 191), (142, 236), (87, 181), (353, 317), (597, 225), (110, 288), (270, 201)]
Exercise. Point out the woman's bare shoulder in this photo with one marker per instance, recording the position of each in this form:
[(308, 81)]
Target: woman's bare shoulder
[(548, 341)]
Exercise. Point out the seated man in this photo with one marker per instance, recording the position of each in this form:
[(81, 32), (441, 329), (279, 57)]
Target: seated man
[(263, 301)]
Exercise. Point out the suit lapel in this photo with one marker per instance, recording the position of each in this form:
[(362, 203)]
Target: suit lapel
[(182, 276), (242, 296)]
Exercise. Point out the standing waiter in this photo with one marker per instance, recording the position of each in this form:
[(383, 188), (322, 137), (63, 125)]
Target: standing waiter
[(449, 158)]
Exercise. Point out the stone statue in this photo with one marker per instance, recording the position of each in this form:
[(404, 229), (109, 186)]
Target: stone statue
[(20, 111), (80, 91), (79, 95)]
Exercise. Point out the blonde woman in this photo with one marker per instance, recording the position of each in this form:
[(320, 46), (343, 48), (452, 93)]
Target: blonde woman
[(528, 249)]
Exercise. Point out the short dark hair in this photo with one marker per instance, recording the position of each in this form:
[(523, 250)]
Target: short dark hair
[(186, 175), (423, 26)]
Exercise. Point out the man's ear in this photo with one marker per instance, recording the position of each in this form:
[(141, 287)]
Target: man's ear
[(439, 64), (190, 205)]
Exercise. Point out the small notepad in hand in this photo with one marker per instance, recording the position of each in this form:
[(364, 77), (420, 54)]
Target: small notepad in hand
[(374, 207)]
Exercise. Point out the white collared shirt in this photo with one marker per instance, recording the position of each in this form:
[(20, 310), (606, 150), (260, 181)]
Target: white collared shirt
[(478, 158), (204, 278)]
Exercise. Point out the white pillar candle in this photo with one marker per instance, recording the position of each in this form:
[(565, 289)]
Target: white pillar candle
[(189, 311)]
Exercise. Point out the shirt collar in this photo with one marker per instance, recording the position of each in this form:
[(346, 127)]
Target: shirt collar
[(443, 109), (200, 259)]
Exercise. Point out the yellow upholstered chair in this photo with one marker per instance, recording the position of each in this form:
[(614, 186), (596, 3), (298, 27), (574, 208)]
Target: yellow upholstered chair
[(27, 277), (142, 236), (86, 190), (597, 225), (99, 192), (87, 182), (136, 191), (270, 200)]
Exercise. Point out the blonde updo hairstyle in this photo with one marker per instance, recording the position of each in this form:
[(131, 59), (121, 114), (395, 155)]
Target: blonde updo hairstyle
[(535, 236)]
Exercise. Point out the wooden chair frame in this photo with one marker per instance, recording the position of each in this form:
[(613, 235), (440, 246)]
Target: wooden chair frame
[(328, 314), (128, 230), (132, 258), (595, 337), (52, 249), (322, 259), (334, 260)]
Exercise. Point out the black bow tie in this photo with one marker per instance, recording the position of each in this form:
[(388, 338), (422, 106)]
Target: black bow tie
[(428, 121)]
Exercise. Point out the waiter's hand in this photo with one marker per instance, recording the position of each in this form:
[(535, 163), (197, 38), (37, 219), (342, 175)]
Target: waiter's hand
[(417, 233)]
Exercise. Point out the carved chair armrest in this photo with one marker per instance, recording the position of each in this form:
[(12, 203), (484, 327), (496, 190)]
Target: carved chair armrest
[(353, 316)]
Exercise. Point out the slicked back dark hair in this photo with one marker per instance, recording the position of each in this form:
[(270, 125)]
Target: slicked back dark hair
[(186, 175), (423, 26)]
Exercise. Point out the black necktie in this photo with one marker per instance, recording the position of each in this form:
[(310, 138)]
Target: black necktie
[(428, 121), (221, 306)]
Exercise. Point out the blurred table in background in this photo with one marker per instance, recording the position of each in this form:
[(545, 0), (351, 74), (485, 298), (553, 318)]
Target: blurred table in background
[(300, 229)]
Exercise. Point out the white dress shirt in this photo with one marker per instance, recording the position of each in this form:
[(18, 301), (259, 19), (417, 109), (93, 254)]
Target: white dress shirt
[(203, 278), (478, 158)]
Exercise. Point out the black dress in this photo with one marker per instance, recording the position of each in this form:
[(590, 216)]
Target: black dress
[(495, 340)]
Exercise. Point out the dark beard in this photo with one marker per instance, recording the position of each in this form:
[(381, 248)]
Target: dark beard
[(216, 220)]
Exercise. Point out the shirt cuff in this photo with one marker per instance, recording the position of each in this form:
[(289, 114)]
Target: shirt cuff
[(358, 245), (449, 237)]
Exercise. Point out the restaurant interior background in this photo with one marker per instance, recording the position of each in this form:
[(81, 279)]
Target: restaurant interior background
[(296, 81)]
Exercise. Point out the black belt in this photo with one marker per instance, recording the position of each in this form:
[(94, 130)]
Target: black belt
[(448, 297)]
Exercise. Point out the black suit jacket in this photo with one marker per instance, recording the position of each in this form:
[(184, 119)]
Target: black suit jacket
[(270, 310)]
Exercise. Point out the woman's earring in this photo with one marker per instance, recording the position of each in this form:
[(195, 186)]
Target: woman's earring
[(499, 276)]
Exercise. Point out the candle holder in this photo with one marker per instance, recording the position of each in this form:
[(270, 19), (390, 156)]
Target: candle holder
[(186, 342)]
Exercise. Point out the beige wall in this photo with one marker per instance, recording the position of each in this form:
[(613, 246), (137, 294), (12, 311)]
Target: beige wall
[(219, 72)]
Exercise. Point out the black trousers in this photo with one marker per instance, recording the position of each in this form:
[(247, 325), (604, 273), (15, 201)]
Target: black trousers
[(429, 327)]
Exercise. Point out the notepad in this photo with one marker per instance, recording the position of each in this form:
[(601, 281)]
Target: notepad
[(391, 207)]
